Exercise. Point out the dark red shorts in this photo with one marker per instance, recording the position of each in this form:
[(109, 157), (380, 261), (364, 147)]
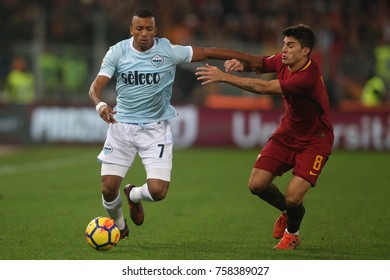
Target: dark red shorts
[(306, 162)]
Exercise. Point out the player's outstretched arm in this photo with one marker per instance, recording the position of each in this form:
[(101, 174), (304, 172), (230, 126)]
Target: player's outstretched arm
[(211, 74), (254, 62), (234, 65)]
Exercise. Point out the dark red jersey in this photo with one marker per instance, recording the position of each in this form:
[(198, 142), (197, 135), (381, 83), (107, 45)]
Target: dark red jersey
[(306, 101)]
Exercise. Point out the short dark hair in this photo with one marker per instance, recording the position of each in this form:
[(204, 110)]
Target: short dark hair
[(143, 13), (303, 33)]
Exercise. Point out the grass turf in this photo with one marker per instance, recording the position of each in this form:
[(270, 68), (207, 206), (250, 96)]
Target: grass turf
[(49, 194)]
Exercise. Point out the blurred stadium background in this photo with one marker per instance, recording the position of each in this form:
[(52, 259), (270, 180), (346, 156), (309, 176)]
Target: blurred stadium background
[(60, 45)]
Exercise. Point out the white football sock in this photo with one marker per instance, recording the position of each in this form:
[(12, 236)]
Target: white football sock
[(295, 233), (114, 211), (141, 193)]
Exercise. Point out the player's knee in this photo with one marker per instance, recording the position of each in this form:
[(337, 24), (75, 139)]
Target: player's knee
[(256, 187), (158, 195), (293, 201), (109, 193), (159, 190), (252, 189), (110, 187)]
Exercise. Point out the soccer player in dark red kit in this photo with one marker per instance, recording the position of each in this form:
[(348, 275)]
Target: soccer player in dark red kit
[(304, 138)]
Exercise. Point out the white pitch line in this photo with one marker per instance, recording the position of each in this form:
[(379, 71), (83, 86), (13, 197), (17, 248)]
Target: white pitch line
[(48, 164)]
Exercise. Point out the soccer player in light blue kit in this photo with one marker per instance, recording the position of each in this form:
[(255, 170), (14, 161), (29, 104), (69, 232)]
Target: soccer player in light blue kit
[(144, 67)]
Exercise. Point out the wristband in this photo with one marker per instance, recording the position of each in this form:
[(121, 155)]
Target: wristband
[(100, 105)]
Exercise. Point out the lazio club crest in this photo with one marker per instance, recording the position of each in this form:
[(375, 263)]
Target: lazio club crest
[(157, 60), (107, 149)]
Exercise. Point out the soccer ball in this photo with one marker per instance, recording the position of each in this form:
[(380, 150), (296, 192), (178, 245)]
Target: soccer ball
[(102, 233)]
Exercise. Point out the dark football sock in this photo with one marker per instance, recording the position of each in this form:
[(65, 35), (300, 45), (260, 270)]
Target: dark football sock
[(294, 217), (273, 196)]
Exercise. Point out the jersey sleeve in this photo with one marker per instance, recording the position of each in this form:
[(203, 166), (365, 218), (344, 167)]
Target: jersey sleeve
[(182, 54), (270, 63), (179, 54), (108, 66)]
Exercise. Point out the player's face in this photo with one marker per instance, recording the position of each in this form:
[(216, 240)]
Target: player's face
[(143, 30), (293, 54)]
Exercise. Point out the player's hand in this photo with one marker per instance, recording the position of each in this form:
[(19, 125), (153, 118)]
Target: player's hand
[(233, 65), (255, 64), (209, 74), (106, 113)]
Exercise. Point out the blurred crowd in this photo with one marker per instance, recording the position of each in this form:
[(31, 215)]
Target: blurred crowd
[(61, 42)]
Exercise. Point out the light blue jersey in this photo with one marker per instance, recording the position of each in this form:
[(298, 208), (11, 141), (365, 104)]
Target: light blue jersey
[(144, 80)]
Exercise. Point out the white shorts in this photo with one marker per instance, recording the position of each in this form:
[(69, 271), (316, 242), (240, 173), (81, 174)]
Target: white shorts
[(152, 141)]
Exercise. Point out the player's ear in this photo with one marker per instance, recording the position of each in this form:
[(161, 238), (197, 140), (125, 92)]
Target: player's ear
[(155, 31), (306, 51), (131, 30)]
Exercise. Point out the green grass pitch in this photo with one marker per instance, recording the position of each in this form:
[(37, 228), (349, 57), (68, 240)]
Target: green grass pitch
[(49, 194)]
